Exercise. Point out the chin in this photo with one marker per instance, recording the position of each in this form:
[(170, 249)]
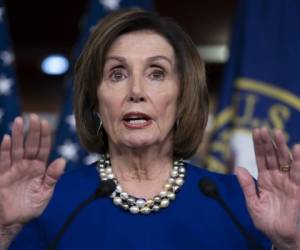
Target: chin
[(139, 142)]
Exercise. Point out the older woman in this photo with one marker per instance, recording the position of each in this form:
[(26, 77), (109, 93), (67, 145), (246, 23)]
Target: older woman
[(141, 101)]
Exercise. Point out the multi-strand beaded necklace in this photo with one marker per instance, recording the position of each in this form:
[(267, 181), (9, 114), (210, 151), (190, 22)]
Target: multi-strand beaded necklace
[(140, 205)]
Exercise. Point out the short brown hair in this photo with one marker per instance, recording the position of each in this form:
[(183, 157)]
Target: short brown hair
[(192, 110)]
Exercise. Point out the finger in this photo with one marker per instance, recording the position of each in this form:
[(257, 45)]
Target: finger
[(295, 166), (259, 150), (5, 160), (33, 138), (282, 149), (270, 153), (54, 171), (247, 183), (45, 142), (17, 150)]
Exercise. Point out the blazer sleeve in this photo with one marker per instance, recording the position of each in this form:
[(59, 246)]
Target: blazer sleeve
[(31, 237)]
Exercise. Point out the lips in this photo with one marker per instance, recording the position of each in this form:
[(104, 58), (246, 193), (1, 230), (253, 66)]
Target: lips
[(136, 120)]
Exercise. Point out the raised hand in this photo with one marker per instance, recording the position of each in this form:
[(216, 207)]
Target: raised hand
[(26, 183), (275, 204)]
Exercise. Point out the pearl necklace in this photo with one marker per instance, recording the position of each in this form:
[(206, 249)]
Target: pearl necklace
[(140, 205)]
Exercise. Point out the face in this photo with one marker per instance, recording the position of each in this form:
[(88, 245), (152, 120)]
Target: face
[(139, 91)]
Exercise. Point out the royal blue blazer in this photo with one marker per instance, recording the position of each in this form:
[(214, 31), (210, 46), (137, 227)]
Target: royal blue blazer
[(191, 222)]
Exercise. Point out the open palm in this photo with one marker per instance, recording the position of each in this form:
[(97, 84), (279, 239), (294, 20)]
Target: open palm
[(274, 204), (26, 183)]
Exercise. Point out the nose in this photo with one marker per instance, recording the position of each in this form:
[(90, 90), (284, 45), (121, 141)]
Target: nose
[(136, 91), (136, 99)]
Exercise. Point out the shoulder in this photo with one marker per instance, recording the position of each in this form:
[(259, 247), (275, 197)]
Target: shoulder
[(72, 188), (82, 172), (226, 183), (202, 172), (85, 177), (210, 211)]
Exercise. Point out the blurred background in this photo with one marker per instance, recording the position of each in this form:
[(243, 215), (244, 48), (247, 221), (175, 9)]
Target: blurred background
[(251, 50), (42, 28)]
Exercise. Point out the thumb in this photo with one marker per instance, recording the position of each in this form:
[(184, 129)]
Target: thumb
[(247, 183), (54, 171)]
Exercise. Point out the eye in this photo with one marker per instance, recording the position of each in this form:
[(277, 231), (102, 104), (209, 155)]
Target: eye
[(117, 75), (157, 75)]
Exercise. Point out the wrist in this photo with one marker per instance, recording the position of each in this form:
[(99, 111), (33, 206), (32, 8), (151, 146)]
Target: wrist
[(8, 233), (295, 245)]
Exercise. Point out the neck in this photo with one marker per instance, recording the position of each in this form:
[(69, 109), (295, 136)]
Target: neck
[(142, 173)]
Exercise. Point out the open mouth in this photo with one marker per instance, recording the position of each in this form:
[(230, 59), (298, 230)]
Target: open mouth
[(136, 119)]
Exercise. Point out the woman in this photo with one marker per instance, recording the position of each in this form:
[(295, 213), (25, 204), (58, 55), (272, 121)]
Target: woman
[(141, 100)]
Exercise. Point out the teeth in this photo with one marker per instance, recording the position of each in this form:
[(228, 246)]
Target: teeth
[(137, 121)]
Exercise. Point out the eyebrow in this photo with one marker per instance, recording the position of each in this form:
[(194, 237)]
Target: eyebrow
[(150, 59), (116, 58), (154, 58)]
